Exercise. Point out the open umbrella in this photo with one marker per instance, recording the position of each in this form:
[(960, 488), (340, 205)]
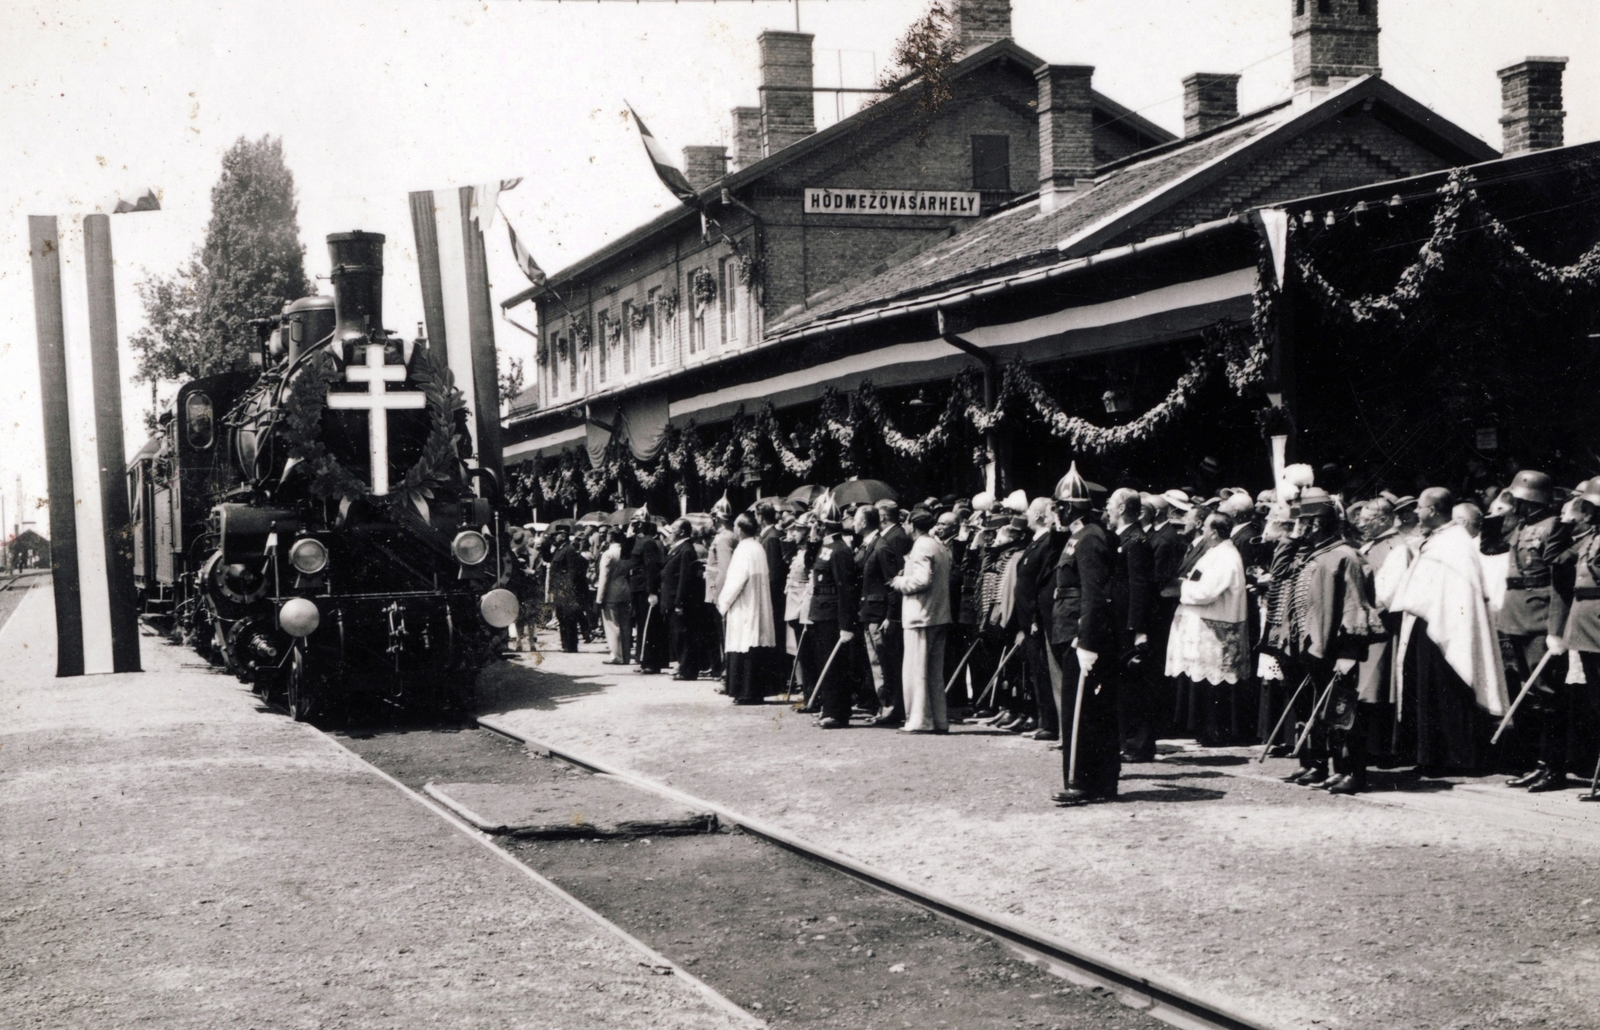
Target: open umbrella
[(864, 491), (594, 518), (560, 524), (620, 517), (806, 495), (777, 502)]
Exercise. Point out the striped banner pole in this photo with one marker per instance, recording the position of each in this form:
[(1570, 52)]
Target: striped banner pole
[(80, 387), (457, 309)]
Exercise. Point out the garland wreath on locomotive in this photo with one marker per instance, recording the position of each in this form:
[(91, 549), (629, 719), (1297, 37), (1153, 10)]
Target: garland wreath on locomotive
[(311, 581)]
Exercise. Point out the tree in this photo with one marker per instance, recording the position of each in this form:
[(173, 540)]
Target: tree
[(923, 58), (251, 264)]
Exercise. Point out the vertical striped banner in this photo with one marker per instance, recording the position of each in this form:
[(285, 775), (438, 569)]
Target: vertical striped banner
[(80, 388), (456, 307)]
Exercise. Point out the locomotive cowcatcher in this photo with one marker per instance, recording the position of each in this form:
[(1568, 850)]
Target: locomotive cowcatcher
[(318, 523)]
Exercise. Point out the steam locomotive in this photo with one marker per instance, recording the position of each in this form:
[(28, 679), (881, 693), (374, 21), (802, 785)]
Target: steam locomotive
[(317, 523)]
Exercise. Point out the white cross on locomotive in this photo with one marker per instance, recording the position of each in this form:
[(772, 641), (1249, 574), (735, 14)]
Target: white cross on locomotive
[(377, 401)]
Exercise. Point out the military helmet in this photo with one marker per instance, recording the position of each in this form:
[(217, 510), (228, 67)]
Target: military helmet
[(1531, 486), (723, 509), (1072, 489)]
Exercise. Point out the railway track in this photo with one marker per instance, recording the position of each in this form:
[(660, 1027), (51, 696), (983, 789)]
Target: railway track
[(1145, 992)]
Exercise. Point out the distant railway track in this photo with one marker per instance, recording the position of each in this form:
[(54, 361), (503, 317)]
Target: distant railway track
[(1150, 994)]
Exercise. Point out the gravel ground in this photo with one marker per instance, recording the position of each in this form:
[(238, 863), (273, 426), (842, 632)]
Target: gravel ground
[(1303, 909), (172, 857), (792, 941)]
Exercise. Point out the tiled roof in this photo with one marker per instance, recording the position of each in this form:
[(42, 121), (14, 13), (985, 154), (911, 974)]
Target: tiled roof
[(1021, 236)]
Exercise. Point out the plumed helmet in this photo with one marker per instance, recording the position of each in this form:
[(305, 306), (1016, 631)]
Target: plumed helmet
[(983, 501), (1501, 505), (640, 514), (1590, 491), (1300, 475), (1072, 489), (723, 509), (1178, 499), (1016, 501), (826, 510), (1531, 486)]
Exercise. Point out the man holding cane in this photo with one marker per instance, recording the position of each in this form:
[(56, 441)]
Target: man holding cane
[(834, 604)]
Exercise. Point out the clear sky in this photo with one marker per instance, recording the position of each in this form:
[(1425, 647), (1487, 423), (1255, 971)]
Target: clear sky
[(374, 98)]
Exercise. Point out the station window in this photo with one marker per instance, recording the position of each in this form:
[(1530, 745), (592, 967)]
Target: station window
[(572, 368), (601, 347), (651, 334), (697, 315), (991, 163)]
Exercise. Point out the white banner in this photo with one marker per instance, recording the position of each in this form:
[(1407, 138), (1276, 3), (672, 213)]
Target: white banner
[(820, 200)]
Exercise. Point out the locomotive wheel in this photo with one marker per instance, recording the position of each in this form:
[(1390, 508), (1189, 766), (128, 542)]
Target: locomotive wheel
[(299, 694)]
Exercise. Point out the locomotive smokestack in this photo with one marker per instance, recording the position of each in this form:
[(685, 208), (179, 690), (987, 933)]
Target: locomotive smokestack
[(357, 282)]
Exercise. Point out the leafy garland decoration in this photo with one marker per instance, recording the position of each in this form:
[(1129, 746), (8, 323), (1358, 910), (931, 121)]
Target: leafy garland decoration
[(1461, 209), (439, 465), (638, 317), (1238, 350), (703, 288), (667, 305)]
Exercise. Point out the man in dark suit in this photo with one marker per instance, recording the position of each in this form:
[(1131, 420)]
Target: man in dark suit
[(834, 605), (1084, 639), (1032, 607), (1133, 611), (1168, 544), (644, 579), (877, 564), (683, 588), (771, 540)]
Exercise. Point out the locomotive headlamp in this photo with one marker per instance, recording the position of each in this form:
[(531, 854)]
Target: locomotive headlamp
[(469, 547), (500, 607), (299, 617), (308, 556)]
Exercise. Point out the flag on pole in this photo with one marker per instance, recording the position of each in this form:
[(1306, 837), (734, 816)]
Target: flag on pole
[(669, 174), (530, 267), (455, 301), (91, 532), (485, 201)]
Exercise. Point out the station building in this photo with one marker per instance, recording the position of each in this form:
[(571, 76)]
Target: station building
[(1026, 217)]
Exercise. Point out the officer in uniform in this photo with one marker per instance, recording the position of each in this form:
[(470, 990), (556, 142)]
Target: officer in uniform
[(1084, 639), (834, 606), (1582, 633), (1531, 621), (1334, 620)]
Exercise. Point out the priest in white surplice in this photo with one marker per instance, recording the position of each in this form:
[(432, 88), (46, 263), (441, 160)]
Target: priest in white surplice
[(1452, 679)]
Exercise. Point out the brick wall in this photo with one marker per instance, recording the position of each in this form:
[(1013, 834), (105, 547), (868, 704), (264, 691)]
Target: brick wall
[(1333, 38), (1532, 115)]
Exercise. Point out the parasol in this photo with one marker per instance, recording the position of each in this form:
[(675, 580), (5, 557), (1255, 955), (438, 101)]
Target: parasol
[(806, 495), (864, 491)]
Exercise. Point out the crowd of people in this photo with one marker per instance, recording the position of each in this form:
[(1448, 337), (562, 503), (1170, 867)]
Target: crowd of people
[(1386, 631)]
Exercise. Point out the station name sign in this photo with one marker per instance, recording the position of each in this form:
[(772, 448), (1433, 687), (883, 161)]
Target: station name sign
[(829, 201)]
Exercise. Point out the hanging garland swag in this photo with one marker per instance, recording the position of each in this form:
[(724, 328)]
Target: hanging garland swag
[(755, 442)]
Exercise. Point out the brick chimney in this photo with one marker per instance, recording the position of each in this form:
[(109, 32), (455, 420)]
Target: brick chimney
[(1530, 98), (1209, 100), (787, 114), (977, 23), (1334, 40), (746, 137), (704, 165), (1066, 133)]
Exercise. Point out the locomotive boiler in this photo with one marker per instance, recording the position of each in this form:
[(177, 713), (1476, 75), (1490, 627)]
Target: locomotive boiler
[(318, 524)]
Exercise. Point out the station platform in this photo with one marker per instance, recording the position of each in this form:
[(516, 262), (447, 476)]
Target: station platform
[(171, 856), (1442, 905)]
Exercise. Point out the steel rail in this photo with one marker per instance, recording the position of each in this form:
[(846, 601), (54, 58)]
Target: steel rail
[(1167, 1002)]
